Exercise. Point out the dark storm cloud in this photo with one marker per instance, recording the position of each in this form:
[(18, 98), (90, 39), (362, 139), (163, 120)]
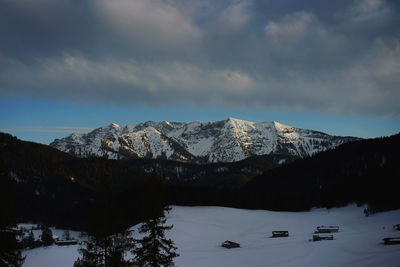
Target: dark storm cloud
[(330, 56)]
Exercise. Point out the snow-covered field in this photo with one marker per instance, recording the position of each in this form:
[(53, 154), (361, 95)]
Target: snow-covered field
[(51, 256), (199, 231)]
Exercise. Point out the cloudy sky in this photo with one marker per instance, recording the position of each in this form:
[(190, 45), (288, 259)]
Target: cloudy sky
[(73, 65)]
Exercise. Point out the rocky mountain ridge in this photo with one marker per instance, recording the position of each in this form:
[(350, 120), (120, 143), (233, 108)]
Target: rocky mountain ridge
[(228, 140)]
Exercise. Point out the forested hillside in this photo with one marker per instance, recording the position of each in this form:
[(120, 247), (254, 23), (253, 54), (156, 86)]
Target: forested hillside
[(50, 186), (364, 171)]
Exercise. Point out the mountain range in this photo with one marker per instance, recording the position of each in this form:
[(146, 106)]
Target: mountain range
[(228, 140)]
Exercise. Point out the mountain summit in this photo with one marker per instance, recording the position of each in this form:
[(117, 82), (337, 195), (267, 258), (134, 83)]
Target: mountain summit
[(221, 141)]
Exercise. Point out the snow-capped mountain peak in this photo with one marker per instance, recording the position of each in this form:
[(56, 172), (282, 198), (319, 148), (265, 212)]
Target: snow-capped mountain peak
[(114, 125), (220, 141)]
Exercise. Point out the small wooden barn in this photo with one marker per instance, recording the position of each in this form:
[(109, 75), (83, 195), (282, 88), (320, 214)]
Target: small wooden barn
[(230, 244), (280, 233), (322, 237), (327, 229), (62, 242), (391, 241)]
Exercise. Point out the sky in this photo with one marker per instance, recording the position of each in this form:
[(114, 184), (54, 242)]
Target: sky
[(71, 66)]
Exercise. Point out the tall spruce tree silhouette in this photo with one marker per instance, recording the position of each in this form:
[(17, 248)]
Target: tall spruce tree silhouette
[(154, 249), (107, 241), (109, 251)]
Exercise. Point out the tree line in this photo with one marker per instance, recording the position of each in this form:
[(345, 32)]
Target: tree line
[(110, 249), (41, 184), (107, 241)]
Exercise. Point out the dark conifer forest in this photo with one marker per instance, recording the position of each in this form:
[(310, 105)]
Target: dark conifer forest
[(52, 187), (364, 171)]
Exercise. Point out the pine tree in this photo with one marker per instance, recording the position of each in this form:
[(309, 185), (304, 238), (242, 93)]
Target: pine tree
[(29, 241), (106, 251), (91, 254), (10, 246), (155, 249), (66, 235), (47, 236), (107, 243)]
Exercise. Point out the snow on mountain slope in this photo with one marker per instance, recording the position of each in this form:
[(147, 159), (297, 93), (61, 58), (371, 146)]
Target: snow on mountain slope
[(221, 141)]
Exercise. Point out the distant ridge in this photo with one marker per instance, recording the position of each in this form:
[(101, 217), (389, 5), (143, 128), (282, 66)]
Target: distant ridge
[(228, 140)]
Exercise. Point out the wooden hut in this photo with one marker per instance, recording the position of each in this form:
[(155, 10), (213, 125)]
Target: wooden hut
[(62, 242), (322, 237), (327, 229), (391, 241), (280, 233), (230, 244)]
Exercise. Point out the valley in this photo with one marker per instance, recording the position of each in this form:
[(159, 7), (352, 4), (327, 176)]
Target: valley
[(199, 231)]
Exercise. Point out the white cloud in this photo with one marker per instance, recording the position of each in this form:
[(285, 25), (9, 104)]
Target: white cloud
[(221, 53), (291, 27), (149, 22), (130, 80), (365, 10), (375, 78), (356, 88), (234, 17)]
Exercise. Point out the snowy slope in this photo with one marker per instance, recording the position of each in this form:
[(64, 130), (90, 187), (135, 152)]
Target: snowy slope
[(198, 232), (51, 255), (221, 141)]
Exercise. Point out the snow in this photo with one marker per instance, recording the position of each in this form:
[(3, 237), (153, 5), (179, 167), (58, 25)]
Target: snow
[(282, 127), (77, 138), (148, 140), (221, 141), (55, 231), (201, 146), (199, 231), (51, 256), (60, 256), (281, 161), (15, 177)]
